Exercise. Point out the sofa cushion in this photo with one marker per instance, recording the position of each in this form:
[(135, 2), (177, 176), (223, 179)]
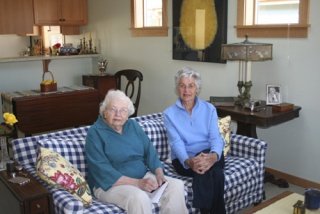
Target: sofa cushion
[(224, 126), (238, 171), (71, 148), (60, 173), (156, 131)]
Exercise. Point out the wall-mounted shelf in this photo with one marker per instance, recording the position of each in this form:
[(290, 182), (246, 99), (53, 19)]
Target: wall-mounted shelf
[(40, 58)]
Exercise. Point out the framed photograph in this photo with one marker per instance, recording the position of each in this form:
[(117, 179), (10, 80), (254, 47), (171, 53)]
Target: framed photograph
[(273, 94)]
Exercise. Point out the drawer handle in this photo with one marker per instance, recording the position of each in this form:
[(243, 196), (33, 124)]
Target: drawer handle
[(38, 206)]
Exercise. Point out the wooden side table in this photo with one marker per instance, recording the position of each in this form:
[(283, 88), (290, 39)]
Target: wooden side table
[(31, 197), (247, 120), (102, 83)]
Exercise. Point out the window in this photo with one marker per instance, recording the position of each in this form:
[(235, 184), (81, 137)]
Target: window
[(273, 18), (277, 12), (149, 18)]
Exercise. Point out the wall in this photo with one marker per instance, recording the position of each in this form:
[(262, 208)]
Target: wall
[(292, 147)]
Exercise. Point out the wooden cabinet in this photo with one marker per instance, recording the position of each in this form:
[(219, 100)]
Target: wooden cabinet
[(43, 112), (60, 12), (31, 197), (102, 83), (16, 17)]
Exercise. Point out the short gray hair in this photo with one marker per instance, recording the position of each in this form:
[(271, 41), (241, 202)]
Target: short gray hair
[(189, 73), (116, 95)]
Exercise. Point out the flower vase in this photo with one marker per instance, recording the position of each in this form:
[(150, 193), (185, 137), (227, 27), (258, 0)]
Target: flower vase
[(4, 156)]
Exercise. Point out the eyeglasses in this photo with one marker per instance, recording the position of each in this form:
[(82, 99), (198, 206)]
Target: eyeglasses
[(114, 110), (190, 86)]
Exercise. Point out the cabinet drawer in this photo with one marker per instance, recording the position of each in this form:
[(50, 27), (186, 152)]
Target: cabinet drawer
[(30, 198), (39, 205)]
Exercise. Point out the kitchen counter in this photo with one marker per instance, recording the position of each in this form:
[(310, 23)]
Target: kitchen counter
[(39, 58)]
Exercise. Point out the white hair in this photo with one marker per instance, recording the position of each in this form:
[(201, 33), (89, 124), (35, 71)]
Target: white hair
[(116, 95), (189, 73)]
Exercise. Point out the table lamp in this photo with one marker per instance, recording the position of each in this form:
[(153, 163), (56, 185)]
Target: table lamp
[(245, 52)]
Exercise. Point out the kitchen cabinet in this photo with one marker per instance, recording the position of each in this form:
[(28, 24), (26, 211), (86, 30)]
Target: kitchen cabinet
[(16, 17), (60, 12)]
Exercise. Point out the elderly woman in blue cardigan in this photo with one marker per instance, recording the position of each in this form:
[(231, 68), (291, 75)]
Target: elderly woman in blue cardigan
[(196, 144), (123, 164)]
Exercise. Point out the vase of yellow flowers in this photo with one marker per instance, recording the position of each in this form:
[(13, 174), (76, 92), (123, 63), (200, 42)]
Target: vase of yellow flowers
[(6, 131)]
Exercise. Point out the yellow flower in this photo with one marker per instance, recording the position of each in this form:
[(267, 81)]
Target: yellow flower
[(9, 118)]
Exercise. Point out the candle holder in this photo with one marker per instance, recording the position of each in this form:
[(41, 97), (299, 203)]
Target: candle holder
[(90, 51), (86, 47)]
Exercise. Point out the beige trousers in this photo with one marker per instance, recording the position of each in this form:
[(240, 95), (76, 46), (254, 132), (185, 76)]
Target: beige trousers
[(134, 200)]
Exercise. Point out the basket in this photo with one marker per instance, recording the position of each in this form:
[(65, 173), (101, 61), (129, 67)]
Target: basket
[(48, 87)]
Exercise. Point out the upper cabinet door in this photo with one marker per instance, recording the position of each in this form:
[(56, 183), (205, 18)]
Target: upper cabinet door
[(60, 12), (46, 12), (16, 17), (74, 12)]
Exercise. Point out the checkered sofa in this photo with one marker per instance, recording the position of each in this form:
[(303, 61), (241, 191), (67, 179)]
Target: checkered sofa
[(244, 170)]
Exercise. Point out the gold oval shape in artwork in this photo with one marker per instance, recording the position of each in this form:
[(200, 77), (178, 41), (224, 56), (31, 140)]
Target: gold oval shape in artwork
[(198, 23)]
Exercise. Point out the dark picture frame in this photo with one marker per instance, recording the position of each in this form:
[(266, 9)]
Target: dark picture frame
[(212, 53), (273, 94)]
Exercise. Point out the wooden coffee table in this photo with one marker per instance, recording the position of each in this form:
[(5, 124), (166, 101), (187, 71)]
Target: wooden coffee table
[(270, 206)]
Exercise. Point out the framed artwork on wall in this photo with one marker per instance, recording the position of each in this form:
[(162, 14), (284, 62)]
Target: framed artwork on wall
[(273, 94), (199, 29)]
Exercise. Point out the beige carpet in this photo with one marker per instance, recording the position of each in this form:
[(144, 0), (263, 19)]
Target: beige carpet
[(285, 206), (272, 190)]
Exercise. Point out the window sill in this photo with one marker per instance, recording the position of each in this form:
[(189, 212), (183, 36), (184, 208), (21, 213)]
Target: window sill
[(273, 31), (150, 31)]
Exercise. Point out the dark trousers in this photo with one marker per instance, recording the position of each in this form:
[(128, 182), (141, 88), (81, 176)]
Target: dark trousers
[(208, 189)]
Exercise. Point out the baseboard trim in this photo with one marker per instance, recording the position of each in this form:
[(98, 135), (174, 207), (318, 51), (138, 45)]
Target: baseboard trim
[(293, 179)]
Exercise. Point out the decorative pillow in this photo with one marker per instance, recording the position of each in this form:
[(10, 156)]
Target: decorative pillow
[(60, 173), (71, 148), (224, 126)]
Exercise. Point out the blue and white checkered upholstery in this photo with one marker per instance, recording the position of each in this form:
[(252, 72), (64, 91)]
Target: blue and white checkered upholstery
[(244, 170)]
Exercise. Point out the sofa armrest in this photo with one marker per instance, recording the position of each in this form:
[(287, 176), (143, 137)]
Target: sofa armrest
[(247, 147), (64, 202)]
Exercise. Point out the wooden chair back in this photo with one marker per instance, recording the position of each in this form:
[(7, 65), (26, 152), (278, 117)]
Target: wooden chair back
[(133, 78)]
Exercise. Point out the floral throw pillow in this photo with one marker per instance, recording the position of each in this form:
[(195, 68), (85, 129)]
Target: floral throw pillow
[(224, 126), (60, 173)]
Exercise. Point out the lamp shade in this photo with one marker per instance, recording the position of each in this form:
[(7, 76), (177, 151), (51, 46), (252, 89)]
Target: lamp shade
[(246, 51)]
